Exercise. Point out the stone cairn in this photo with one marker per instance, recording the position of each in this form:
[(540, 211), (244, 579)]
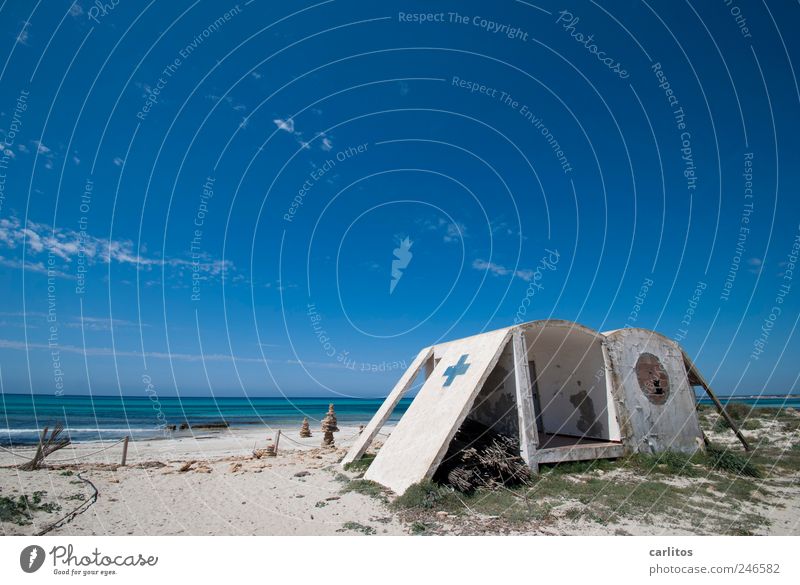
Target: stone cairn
[(329, 427), (305, 432)]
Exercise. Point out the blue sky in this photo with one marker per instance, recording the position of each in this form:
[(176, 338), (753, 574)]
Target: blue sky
[(209, 195)]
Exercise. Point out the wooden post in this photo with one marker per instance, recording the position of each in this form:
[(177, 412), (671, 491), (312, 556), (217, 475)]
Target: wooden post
[(277, 440), (696, 376), (125, 450)]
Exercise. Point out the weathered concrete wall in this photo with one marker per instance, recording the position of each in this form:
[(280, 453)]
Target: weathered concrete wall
[(416, 446), (657, 404), (496, 403), (570, 375)]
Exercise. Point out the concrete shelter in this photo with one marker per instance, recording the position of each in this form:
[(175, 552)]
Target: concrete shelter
[(567, 392)]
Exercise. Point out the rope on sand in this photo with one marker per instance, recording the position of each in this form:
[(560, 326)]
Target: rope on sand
[(14, 454), (79, 510), (68, 458), (87, 454)]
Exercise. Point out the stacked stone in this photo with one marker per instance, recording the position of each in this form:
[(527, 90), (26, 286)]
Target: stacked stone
[(329, 427), (305, 432)]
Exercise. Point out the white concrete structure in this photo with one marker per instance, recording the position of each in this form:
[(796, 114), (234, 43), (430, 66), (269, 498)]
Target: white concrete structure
[(567, 392)]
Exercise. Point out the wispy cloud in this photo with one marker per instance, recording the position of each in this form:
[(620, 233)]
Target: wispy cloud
[(451, 231), (67, 244), (500, 270), (285, 125), (22, 37), (288, 125), (187, 357)]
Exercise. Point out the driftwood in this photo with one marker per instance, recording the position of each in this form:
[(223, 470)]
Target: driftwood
[(48, 444), (480, 457)]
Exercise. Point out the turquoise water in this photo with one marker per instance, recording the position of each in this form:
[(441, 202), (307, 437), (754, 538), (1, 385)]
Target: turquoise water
[(792, 401), (88, 418)]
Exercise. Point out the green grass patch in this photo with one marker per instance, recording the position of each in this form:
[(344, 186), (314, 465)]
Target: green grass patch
[(420, 528), (730, 461), (357, 527), (668, 462), (751, 424), (365, 487), (427, 495), (574, 467), (360, 464), (20, 511)]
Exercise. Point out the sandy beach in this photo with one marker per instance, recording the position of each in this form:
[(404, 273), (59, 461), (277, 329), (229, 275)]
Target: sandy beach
[(211, 483), (225, 491)]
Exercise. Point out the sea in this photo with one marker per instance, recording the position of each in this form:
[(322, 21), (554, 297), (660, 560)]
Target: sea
[(95, 418)]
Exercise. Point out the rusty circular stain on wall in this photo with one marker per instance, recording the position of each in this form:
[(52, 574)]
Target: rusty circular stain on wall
[(653, 379)]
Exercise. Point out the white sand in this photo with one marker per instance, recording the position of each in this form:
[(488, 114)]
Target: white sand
[(239, 495)]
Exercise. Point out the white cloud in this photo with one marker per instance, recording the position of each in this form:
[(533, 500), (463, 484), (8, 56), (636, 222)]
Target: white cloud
[(286, 125), (66, 244), (451, 231), (455, 232), (22, 37), (118, 161), (189, 357), (500, 270)]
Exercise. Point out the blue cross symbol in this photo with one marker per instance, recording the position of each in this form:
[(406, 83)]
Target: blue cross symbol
[(457, 369)]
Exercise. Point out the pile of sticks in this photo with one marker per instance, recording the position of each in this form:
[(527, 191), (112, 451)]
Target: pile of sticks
[(480, 457)]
